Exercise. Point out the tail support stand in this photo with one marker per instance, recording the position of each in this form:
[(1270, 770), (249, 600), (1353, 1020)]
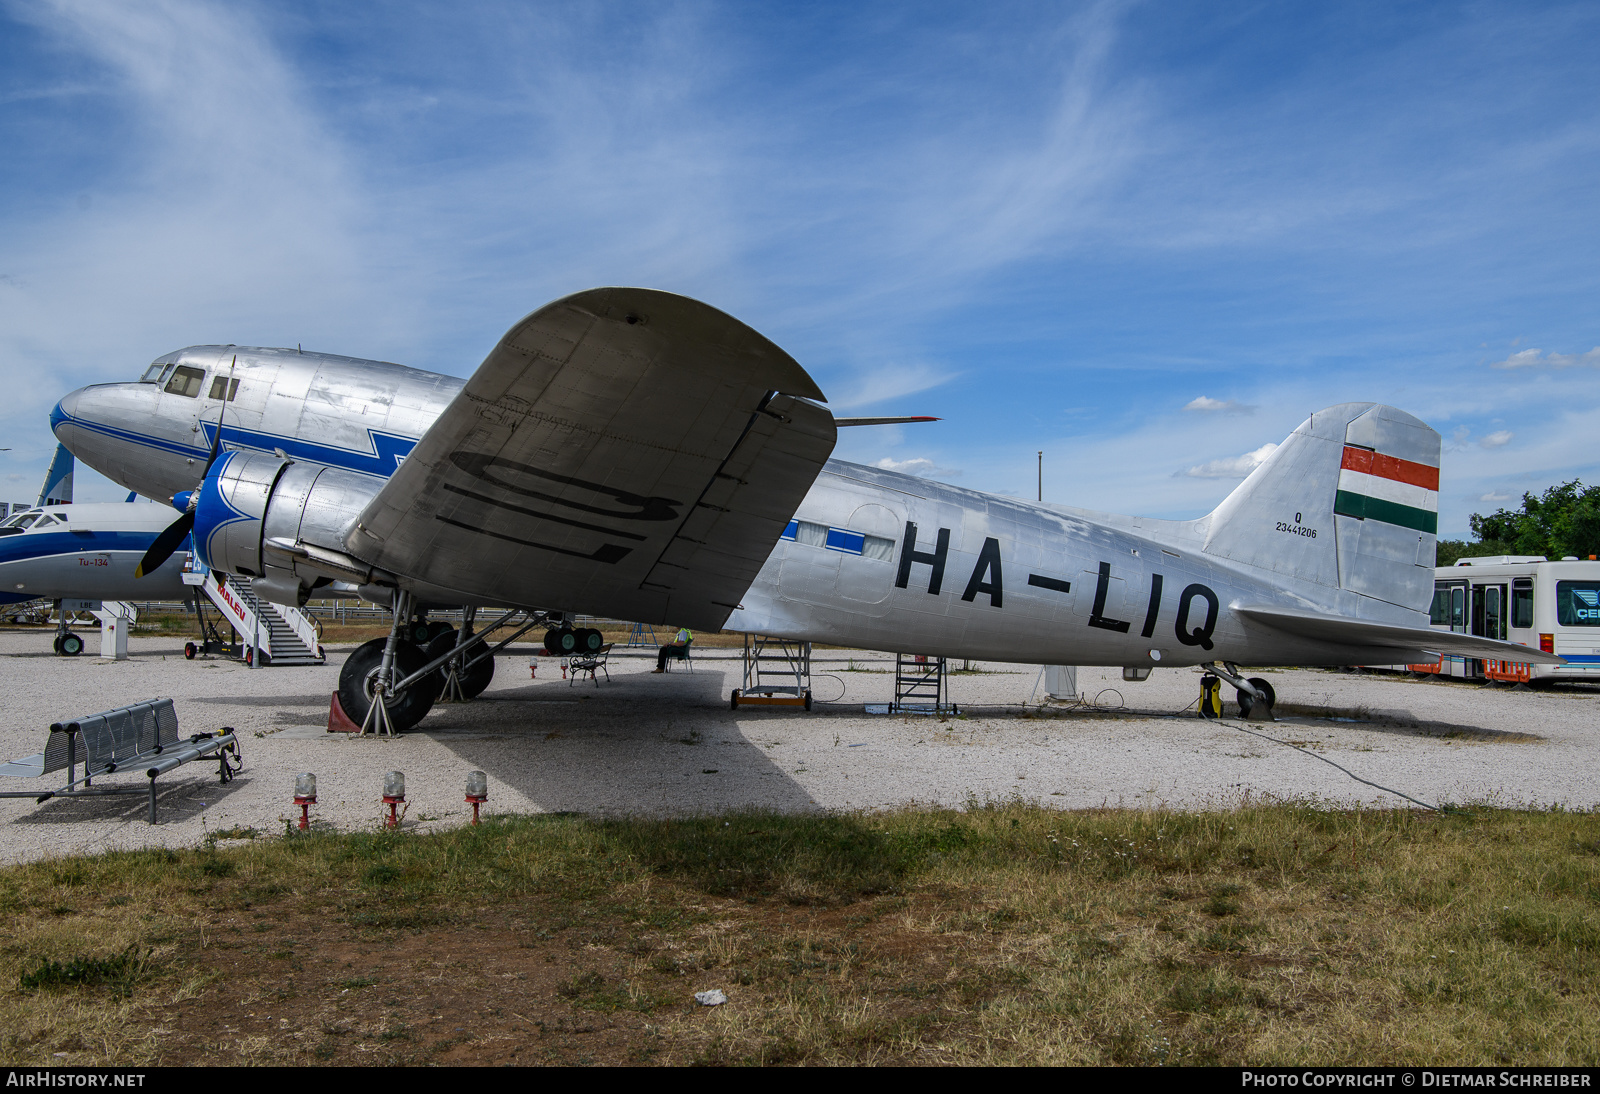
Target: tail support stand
[(377, 719)]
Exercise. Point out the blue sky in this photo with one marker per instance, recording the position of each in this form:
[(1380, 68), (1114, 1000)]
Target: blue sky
[(1147, 239)]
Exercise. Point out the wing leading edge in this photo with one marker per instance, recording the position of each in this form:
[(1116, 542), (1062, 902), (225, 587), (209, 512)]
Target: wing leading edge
[(1407, 641), (621, 452)]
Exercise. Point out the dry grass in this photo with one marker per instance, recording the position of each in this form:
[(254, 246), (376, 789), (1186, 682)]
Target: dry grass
[(1007, 933)]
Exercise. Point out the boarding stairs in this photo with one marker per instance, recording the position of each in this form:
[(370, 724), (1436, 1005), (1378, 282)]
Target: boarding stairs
[(285, 634)]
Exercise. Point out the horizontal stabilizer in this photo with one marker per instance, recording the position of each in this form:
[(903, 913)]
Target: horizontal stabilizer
[(1406, 641)]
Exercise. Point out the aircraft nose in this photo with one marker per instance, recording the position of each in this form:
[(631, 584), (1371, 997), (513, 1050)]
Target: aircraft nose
[(65, 411)]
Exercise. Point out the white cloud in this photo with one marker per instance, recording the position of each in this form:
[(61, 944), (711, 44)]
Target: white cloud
[(1494, 497), (1498, 439), (1204, 405), (1530, 358), (916, 466), (889, 382), (1231, 467)]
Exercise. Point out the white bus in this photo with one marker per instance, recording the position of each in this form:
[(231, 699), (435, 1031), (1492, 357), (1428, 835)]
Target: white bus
[(1549, 606)]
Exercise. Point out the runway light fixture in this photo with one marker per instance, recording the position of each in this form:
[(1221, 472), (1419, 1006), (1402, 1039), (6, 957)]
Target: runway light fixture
[(305, 796), (394, 793), (477, 791)]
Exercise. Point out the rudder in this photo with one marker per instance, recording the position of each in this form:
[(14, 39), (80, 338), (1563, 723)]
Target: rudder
[(1350, 501)]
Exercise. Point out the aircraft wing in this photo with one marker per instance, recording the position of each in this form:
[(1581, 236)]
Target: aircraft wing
[(1406, 641), (621, 452)]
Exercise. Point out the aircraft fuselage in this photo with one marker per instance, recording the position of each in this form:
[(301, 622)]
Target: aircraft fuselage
[(873, 559)]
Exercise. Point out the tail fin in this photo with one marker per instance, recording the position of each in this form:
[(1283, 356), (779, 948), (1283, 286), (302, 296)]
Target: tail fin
[(1349, 501), (57, 488)]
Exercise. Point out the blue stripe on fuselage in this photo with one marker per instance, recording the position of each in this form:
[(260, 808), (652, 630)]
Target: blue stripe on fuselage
[(27, 546), (386, 452)]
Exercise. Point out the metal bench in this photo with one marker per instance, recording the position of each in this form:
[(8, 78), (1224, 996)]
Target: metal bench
[(143, 736), (591, 663)]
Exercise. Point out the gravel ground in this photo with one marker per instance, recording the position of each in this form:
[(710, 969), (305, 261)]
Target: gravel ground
[(658, 744)]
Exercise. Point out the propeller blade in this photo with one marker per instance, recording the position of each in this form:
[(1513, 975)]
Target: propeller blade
[(165, 544)]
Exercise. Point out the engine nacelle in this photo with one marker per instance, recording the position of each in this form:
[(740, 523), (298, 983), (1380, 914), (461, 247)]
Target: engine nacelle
[(280, 522)]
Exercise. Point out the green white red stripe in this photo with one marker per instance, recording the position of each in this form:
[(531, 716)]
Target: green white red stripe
[(1373, 486)]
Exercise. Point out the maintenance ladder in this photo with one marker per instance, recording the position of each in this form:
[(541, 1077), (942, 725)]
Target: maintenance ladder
[(777, 673), (920, 685)]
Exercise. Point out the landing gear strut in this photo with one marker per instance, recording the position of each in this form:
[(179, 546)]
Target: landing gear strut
[(389, 684), (66, 643), (1255, 695)]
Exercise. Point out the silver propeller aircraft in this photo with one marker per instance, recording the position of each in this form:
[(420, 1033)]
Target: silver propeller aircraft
[(640, 455)]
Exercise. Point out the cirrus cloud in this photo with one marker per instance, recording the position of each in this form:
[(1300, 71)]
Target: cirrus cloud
[(1231, 467)]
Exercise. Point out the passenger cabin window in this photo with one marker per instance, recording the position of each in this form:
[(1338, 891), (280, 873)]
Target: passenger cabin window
[(840, 539), (1522, 602), (186, 381), (1578, 603), (222, 384)]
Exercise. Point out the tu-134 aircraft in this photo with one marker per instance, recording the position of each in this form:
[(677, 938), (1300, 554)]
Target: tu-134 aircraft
[(640, 455)]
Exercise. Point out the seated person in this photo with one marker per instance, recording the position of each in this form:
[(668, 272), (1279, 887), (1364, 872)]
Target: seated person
[(678, 647)]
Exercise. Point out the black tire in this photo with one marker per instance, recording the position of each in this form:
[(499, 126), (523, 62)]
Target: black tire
[(589, 640), (419, 632), (808, 700), (438, 629), (189, 651), (55, 643), (476, 678), (733, 699), (562, 641), (71, 645), (1268, 696), (405, 709)]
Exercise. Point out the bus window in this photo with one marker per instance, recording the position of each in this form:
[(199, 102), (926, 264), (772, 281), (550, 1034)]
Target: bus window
[(186, 381), (1493, 622), (1578, 603), (1522, 602), (1439, 610)]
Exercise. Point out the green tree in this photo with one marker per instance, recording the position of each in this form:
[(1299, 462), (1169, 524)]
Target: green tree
[(1564, 520)]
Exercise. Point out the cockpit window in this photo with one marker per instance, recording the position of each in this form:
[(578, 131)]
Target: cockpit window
[(222, 384), (22, 520), (49, 518), (186, 381)]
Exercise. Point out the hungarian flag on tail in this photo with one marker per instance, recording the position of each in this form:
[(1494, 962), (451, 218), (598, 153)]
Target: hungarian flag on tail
[(1373, 486)]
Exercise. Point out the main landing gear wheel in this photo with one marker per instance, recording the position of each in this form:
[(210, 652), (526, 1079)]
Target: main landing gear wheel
[(560, 641), (69, 645), (407, 707), (476, 678), (1247, 702)]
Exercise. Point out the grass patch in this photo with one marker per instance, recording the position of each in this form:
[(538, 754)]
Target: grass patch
[(1004, 933)]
